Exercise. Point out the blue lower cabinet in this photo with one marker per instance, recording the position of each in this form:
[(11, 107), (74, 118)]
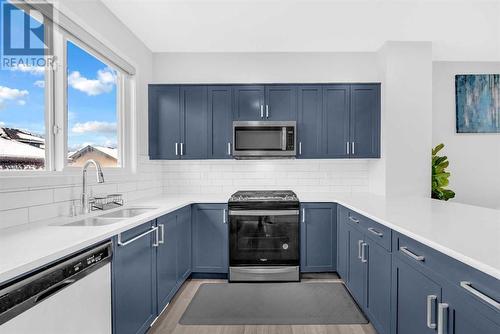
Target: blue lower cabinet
[(357, 278), (166, 270), (184, 244), (210, 238), (342, 243), (318, 236), (134, 280), (414, 296)]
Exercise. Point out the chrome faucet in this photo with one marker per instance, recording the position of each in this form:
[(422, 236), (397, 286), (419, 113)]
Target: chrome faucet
[(100, 179)]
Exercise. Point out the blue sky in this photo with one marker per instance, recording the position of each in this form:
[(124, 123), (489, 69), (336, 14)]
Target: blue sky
[(91, 98)]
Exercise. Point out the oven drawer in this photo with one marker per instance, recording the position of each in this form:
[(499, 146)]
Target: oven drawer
[(276, 273)]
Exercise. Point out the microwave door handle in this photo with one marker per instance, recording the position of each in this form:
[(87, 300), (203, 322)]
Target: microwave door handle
[(283, 138)]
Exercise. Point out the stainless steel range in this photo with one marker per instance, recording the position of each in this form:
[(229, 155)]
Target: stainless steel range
[(264, 236)]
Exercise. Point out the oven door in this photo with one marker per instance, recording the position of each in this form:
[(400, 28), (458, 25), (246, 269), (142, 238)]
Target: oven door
[(264, 238)]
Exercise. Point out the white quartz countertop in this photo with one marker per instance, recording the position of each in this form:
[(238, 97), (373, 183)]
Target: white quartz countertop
[(467, 233)]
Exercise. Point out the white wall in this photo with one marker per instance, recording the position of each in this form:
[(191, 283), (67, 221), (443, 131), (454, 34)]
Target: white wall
[(265, 67), (27, 199), (474, 158)]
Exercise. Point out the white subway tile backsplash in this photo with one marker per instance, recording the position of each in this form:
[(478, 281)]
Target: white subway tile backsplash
[(20, 199), (13, 217)]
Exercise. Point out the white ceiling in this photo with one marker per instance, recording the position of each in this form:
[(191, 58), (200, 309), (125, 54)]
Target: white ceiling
[(460, 30)]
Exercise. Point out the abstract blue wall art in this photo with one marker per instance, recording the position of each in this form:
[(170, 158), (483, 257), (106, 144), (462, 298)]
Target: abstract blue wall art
[(477, 98)]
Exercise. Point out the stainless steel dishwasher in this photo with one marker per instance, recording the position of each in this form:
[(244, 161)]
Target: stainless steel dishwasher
[(70, 297)]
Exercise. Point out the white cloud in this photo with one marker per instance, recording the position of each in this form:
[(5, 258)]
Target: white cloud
[(94, 127), (39, 83), (103, 84), (21, 102), (7, 93), (35, 70)]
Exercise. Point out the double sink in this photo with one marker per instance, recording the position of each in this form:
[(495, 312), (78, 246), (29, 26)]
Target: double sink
[(111, 217)]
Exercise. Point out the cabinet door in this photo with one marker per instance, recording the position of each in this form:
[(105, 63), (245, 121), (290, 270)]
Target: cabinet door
[(184, 244), (194, 122), (318, 237), (248, 103), (220, 113), (164, 122), (365, 121), (343, 244), (134, 281), (166, 270), (378, 288), (309, 122), (281, 103), (411, 289), (356, 283), (336, 120), (210, 238)]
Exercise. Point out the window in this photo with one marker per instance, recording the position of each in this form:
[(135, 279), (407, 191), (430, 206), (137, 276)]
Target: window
[(92, 109), (22, 102)]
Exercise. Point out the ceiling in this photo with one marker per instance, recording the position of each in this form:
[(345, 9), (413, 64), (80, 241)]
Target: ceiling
[(470, 29)]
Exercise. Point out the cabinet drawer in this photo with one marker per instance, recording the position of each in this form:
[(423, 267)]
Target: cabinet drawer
[(377, 232)]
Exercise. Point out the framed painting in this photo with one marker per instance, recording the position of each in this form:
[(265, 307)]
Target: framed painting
[(477, 98)]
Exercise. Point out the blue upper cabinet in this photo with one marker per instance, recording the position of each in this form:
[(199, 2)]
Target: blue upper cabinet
[(210, 238), (365, 121), (318, 235), (281, 103), (248, 103), (134, 280), (309, 121), (194, 121), (164, 122), (336, 110), (220, 109)]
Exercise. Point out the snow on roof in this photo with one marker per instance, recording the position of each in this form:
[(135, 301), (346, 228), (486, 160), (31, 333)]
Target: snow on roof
[(28, 136), (112, 152), (15, 149)]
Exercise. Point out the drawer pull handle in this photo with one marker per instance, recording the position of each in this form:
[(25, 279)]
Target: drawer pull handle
[(374, 231), (468, 286), (442, 318), (353, 219), (411, 254), (430, 300)]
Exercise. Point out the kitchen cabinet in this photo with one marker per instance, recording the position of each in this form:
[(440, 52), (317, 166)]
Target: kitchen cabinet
[(173, 253), (309, 121), (364, 121), (178, 122), (248, 103), (164, 121), (281, 103), (134, 279), (220, 114), (342, 245), (336, 111), (318, 235), (357, 277), (210, 238)]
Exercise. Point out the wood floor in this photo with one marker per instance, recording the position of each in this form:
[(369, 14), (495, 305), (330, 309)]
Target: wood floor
[(168, 322)]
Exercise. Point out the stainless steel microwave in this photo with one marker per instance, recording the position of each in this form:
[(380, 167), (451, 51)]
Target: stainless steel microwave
[(268, 139)]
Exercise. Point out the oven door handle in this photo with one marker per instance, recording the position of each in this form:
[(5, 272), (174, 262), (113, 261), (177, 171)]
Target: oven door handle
[(263, 212)]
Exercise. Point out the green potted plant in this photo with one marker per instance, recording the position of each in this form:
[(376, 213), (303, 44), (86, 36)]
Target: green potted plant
[(440, 175)]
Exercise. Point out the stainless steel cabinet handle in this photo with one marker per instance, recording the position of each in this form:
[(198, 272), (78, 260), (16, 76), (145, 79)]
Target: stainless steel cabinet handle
[(430, 300), (303, 215), (374, 231), (176, 148), (359, 248), (267, 111), (300, 148), (363, 252), (261, 111), (228, 148), (352, 147), (182, 148), (347, 147), (353, 219), (411, 254), (468, 286), (162, 240), (156, 243), (224, 216), (128, 242), (442, 323)]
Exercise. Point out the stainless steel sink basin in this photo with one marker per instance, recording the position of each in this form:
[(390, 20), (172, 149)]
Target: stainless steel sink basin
[(126, 213), (94, 221)]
